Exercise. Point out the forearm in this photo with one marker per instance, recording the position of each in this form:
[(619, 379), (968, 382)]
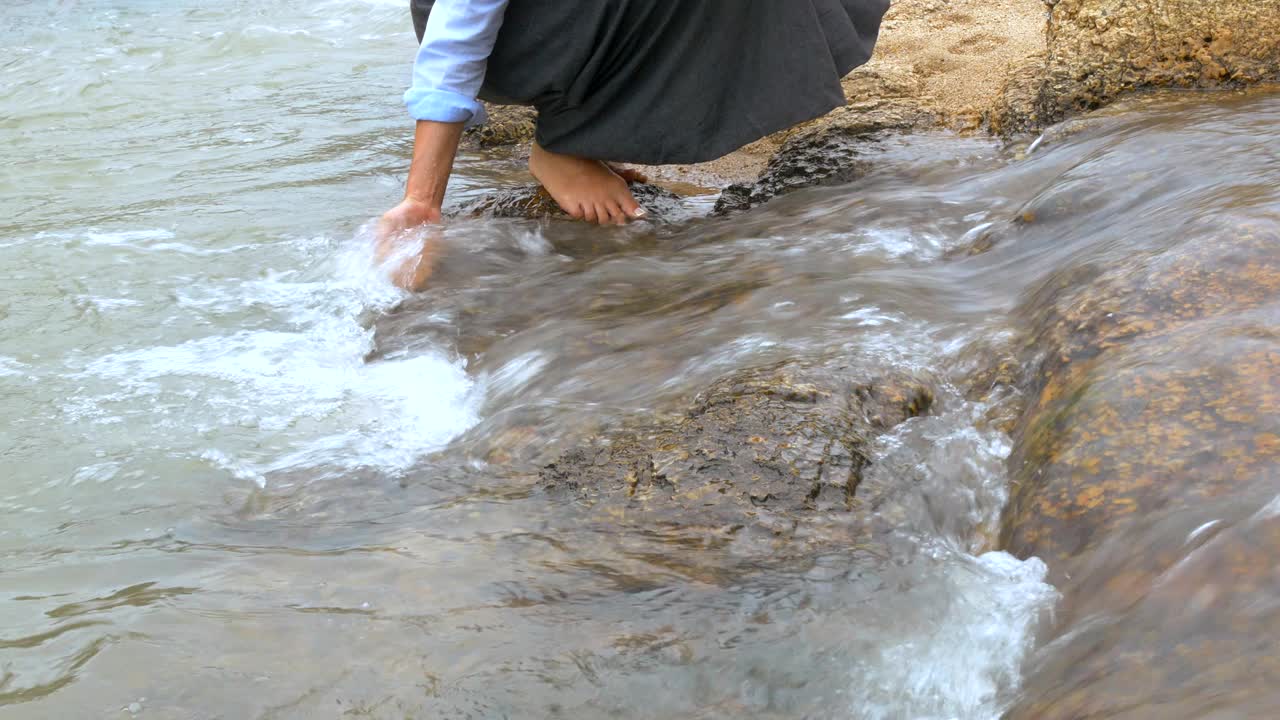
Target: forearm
[(435, 145)]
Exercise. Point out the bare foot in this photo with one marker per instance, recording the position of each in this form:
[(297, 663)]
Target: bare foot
[(631, 175), (586, 189)]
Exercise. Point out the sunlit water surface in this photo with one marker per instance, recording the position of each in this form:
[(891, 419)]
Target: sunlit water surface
[(244, 477)]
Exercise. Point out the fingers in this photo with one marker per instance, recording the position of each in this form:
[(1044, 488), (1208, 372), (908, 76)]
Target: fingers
[(389, 225), (408, 215), (388, 238), (413, 273)]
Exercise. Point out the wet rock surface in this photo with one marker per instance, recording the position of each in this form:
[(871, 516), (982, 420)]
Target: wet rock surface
[(837, 150), (1152, 437), (760, 448)]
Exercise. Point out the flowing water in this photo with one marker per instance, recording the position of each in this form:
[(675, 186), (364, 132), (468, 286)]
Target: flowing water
[(244, 477)]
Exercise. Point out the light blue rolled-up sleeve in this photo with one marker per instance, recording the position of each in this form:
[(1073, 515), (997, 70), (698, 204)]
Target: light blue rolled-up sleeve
[(452, 60)]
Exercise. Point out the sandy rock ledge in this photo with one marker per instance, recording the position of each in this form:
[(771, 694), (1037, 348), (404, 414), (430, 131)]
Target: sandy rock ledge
[(1097, 51)]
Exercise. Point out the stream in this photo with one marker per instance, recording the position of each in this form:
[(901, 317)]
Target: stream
[(245, 477)]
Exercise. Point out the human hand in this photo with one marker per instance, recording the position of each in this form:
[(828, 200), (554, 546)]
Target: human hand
[(408, 273), (408, 215)]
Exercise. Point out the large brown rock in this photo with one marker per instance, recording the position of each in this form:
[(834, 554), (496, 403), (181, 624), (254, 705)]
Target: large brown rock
[(1151, 440), (761, 449), (1099, 50)]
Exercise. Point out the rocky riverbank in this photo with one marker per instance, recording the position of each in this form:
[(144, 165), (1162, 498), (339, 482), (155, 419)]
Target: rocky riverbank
[(974, 67)]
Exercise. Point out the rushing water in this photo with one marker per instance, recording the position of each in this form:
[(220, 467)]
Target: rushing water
[(244, 477)]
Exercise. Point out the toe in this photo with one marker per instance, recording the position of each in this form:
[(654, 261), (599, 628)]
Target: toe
[(617, 215), (631, 208)]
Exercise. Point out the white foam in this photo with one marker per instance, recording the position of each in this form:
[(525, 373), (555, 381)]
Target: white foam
[(149, 240), (1270, 510), (99, 473), (405, 409), (516, 373), (726, 357), (951, 644), (10, 367), (276, 292), (1191, 537), (870, 316), (126, 237), (301, 382), (238, 470), (961, 632), (103, 305), (252, 30), (894, 243)]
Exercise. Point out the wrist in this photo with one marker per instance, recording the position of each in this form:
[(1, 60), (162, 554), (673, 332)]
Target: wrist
[(430, 201)]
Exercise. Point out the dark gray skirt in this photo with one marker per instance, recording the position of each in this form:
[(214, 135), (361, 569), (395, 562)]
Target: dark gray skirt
[(673, 81)]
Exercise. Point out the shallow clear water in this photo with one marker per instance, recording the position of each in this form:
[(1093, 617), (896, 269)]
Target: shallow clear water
[(245, 477)]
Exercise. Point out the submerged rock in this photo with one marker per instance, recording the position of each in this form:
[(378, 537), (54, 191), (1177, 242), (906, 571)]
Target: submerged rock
[(1152, 438), (759, 448)]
